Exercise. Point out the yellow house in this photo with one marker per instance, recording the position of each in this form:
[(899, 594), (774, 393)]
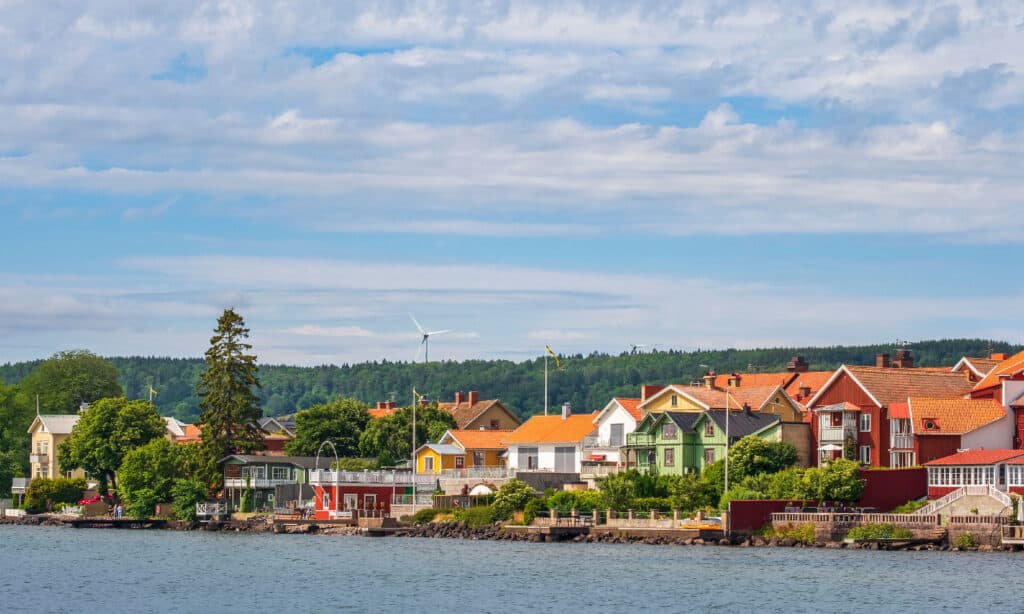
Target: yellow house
[(47, 433), (435, 458), (764, 399), (483, 448)]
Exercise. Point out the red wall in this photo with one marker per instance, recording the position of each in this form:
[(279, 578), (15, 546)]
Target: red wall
[(1016, 489), (886, 489), (844, 389), (1018, 441), (931, 447), (752, 514), (383, 496), (937, 492)]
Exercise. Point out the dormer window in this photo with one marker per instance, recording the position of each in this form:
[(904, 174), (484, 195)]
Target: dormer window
[(930, 424), (668, 431)]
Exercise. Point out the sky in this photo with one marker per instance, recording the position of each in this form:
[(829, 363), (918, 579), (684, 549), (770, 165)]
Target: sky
[(588, 176)]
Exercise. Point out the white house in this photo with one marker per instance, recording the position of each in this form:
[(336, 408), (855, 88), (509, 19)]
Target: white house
[(550, 443), (618, 419)]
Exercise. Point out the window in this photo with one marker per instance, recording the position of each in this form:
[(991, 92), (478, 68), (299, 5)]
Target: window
[(836, 418), (478, 459), (428, 463), (616, 437), (865, 453), (46, 446), (709, 456), (528, 459), (327, 500), (670, 457), (865, 422), (668, 431), (709, 429), (279, 473), (495, 424), (460, 462), (369, 502), (675, 401)]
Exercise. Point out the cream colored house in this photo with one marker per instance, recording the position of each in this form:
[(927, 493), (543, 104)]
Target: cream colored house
[(48, 432)]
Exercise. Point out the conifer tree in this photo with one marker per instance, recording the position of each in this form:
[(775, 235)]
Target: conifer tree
[(228, 403)]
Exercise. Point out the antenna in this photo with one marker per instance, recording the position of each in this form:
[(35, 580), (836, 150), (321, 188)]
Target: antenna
[(636, 346), (425, 338)]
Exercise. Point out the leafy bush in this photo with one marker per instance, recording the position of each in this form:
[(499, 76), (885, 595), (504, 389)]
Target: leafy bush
[(355, 464), (563, 501), (803, 533), (619, 490), (423, 516), (753, 455), (646, 504), (45, 493), (142, 503), (533, 506), (479, 516), (245, 505), (910, 506), (186, 494), (966, 541), (878, 531), (588, 501), (512, 496)]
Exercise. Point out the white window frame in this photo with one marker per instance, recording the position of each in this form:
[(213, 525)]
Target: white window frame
[(279, 473), (865, 422), (669, 457), (369, 501), (862, 452), (428, 463), (668, 430)]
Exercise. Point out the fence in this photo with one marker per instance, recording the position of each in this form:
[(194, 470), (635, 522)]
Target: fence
[(424, 500)]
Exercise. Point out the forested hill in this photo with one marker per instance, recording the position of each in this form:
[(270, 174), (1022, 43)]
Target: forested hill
[(588, 382)]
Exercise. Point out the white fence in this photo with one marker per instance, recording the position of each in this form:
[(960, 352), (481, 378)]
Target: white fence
[(211, 508), (480, 473)]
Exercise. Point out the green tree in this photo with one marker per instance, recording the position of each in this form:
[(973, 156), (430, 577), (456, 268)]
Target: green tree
[(106, 432), (688, 492), (619, 490), (16, 414), (229, 405), (754, 456), (341, 422), (71, 378), (391, 436), (186, 493), (512, 496), (147, 475), (839, 481)]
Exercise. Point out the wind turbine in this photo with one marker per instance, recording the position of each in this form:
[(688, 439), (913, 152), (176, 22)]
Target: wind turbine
[(425, 340)]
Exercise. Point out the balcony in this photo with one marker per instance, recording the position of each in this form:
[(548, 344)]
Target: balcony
[(256, 482), (901, 441), (39, 459), (388, 478), (19, 485), (640, 440), (482, 472), (835, 433), (598, 442), (599, 471)]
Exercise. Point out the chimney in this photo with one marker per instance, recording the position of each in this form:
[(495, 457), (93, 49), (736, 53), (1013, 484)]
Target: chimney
[(389, 405), (797, 364), (805, 390), (903, 360), (458, 397), (882, 360), (746, 408), (83, 407), (734, 380), (1000, 356), (709, 379), (649, 390), (473, 397), (566, 410)]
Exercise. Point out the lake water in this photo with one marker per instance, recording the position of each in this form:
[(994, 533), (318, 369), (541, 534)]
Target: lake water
[(46, 569)]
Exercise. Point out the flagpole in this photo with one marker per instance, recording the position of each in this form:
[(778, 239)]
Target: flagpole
[(545, 384), (414, 402), (726, 441)]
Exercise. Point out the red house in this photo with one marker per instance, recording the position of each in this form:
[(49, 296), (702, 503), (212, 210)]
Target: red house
[(370, 493), (853, 407), (1000, 469), (1005, 383)]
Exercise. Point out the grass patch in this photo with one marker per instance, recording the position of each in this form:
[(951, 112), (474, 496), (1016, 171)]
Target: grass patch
[(803, 533), (878, 531)]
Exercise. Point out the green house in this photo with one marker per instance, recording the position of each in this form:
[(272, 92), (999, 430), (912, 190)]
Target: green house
[(677, 443)]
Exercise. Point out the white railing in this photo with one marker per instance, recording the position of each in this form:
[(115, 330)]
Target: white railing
[(901, 441), (211, 509), (39, 459), (256, 482), (833, 433), (599, 442), (999, 496), (19, 485), (941, 502), (427, 500), (324, 476), (479, 473), (599, 470)]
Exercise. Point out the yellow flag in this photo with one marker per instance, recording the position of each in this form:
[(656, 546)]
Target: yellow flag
[(416, 397), (553, 355), (152, 391)]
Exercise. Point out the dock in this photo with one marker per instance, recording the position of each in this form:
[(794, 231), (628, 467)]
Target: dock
[(114, 523)]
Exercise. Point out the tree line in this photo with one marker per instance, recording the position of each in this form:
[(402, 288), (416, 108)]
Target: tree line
[(586, 381)]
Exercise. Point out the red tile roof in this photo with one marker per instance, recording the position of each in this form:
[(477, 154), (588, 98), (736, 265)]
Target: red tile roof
[(481, 440), (899, 410), (1011, 366), (952, 416), (630, 405), (977, 457), (715, 398), (465, 413), (889, 385), (379, 413)]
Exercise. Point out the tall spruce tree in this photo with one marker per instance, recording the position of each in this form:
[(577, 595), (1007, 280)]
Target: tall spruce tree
[(228, 403)]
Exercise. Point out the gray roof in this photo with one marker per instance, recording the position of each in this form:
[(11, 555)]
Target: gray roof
[(305, 462), (742, 423), (684, 419), (57, 424), (445, 448)]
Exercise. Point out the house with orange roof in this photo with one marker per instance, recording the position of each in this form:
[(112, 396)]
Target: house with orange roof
[(472, 413), (550, 443), (980, 470), (975, 369), (464, 453), (851, 410), (923, 429), (1005, 383), (618, 419), (799, 382)]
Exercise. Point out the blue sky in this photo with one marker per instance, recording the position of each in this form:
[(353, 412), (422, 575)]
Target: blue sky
[(584, 175)]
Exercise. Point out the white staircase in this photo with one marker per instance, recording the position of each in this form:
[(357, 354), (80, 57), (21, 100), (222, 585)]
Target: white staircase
[(986, 490)]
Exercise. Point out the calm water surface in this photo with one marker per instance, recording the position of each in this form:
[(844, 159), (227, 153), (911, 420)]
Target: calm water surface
[(45, 569)]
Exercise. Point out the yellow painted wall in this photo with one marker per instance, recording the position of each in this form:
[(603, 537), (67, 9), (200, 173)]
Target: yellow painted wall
[(440, 462), (664, 403), (48, 442), (785, 409), (493, 413), (491, 458)]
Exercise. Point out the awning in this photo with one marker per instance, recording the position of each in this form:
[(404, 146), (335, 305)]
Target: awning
[(597, 457), (899, 410), (831, 447)]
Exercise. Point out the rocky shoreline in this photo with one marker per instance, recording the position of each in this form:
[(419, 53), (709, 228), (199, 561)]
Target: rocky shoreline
[(495, 532)]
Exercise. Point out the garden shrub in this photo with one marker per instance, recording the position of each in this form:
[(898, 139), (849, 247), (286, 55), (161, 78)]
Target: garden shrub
[(511, 497), (474, 517), (803, 533), (966, 541), (423, 516), (646, 504), (910, 506), (533, 506), (878, 531), (186, 494)]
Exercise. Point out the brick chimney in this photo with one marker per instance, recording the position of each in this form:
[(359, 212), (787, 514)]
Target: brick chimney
[(882, 360), (746, 408), (734, 380), (709, 379), (649, 390), (797, 364), (804, 391), (473, 397), (458, 397), (1000, 356), (903, 360)]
